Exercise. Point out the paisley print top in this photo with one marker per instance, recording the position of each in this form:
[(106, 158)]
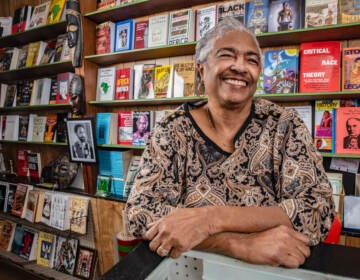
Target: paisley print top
[(274, 163)]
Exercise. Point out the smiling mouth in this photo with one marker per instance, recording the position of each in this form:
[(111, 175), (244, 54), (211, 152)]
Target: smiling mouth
[(235, 82)]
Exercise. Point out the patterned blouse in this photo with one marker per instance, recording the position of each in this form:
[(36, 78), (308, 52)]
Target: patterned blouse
[(274, 163)]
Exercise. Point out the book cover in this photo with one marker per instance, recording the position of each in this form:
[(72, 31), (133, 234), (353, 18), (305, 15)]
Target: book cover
[(63, 82), (142, 123), (257, 12), (23, 127), (124, 84), (105, 88), (320, 13), (32, 54), (184, 79), (49, 52), (78, 214), (30, 127), (31, 205), (103, 185), (4, 190), (158, 30), (46, 208), (320, 66), (349, 11), (21, 19), (24, 92), (65, 255), (6, 59), (61, 129), (163, 81), (7, 230), (105, 4), (14, 58), (5, 26), (281, 70), (59, 216), (22, 162), (23, 56), (35, 166), (106, 128), (235, 9), (125, 128), (39, 15), (141, 32), (347, 135), (38, 129), (45, 247), (85, 263), (53, 90), (50, 128), (11, 196), (29, 244), (17, 244), (61, 41), (20, 199), (143, 81), (350, 69), (56, 10), (205, 20), (285, 15), (130, 176), (336, 181), (12, 127), (323, 123), (124, 38), (104, 37), (10, 95), (181, 27)]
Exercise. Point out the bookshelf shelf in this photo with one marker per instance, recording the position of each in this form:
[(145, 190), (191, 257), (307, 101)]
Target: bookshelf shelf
[(34, 143), (307, 96), (36, 72), (332, 155), (121, 147), (45, 32)]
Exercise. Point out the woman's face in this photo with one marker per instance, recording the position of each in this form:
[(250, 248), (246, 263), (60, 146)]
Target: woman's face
[(232, 68)]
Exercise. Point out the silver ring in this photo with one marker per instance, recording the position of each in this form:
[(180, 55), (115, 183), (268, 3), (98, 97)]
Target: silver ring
[(162, 251)]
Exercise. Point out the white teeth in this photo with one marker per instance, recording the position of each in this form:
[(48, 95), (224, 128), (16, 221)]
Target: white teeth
[(236, 82)]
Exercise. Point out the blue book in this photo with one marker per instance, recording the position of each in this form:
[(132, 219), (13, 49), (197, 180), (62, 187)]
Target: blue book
[(106, 126), (281, 70), (124, 38), (256, 13), (17, 244), (117, 187)]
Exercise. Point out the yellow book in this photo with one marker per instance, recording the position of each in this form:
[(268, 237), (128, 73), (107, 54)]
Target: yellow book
[(32, 54), (163, 80), (78, 212), (184, 79), (57, 8), (45, 247)]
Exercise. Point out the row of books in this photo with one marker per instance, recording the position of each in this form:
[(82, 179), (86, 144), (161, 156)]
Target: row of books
[(116, 173), (28, 17), (35, 53), (50, 128), (59, 210), (187, 25), (44, 91), (47, 249)]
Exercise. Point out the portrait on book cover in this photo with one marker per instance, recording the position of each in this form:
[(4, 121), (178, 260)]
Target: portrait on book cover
[(123, 35), (352, 140), (141, 127), (85, 263), (81, 140)]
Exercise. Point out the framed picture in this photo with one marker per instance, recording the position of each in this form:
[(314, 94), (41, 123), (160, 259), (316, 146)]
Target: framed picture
[(124, 35), (81, 140), (85, 263)]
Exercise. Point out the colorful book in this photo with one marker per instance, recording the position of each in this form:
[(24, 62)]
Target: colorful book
[(143, 81), (181, 27), (141, 31), (23, 56), (257, 12), (125, 128), (124, 84), (65, 247), (28, 246), (50, 128), (205, 20), (349, 11), (124, 38), (49, 52), (106, 128), (336, 181), (22, 163), (31, 205), (5, 26), (46, 208), (78, 214), (21, 19), (142, 123), (20, 200), (56, 11), (63, 81), (10, 95), (46, 245), (158, 30), (235, 9), (350, 69), (285, 15), (104, 37), (281, 70), (24, 92), (35, 166), (163, 81), (7, 230), (23, 127), (39, 15), (320, 13), (320, 66), (184, 79), (32, 55), (323, 124), (105, 88), (347, 133)]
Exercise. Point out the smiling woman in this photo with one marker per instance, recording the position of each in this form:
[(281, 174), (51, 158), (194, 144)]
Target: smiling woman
[(232, 175)]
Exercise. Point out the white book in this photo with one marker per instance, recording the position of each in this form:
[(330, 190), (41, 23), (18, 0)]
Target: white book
[(158, 30), (3, 89), (181, 27), (39, 15), (46, 208), (41, 92), (30, 127), (12, 127), (105, 89), (6, 24), (14, 59), (38, 129), (205, 20), (137, 74), (59, 217), (42, 47), (320, 12)]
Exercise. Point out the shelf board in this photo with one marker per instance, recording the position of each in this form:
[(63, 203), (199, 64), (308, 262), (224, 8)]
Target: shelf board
[(308, 96), (331, 155), (153, 101), (45, 32), (36, 72), (142, 54), (52, 107), (140, 8), (34, 143), (121, 147)]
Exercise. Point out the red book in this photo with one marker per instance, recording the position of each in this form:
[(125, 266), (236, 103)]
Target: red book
[(347, 133), (125, 128), (124, 83), (35, 168), (22, 163), (320, 66), (141, 34), (104, 37), (63, 89)]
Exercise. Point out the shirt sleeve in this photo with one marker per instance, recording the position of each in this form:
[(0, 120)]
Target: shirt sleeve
[(305, 191), (157, 184)]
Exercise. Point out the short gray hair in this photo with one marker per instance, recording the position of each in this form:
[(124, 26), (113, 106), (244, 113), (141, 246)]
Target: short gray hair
[(206, 43)]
